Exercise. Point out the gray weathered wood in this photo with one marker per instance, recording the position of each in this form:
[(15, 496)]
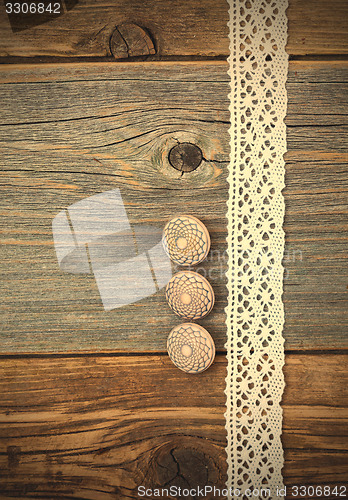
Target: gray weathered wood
[(74, 131), (178, 28)]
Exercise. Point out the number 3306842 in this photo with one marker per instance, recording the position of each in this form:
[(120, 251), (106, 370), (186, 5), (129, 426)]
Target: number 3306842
[(319, 491), (32, 8)]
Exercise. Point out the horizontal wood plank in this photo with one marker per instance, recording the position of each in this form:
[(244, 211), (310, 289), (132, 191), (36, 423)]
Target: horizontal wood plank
[(190, 28), (74, 131), (95, 427)]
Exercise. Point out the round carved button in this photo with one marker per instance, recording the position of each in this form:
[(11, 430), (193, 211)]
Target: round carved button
[(190, 295), (186, 240), (191, 348)]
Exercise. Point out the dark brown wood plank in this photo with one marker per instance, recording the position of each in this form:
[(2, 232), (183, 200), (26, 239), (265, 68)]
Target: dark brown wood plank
[(74, 131), (179, 28), (96, 427), (317, 27)]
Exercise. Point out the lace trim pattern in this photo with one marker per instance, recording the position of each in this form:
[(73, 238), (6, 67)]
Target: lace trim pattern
[(255, 316)]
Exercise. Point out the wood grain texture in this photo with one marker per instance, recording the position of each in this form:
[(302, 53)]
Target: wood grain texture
[(96, 427), (179, 28), (74, 131)]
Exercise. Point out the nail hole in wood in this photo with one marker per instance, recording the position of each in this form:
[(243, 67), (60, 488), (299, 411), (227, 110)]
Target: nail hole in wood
[(185, 157)]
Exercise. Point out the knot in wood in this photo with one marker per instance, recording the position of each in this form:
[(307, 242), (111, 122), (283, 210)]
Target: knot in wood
[(130, 40), (185, 157), (187, 466)]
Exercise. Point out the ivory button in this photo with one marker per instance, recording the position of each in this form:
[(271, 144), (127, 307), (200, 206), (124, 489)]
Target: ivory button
[(191, 348), (190, 295), (186, 240)]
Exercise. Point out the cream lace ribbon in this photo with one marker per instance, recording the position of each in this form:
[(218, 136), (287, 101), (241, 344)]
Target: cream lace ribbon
[(255, 317)]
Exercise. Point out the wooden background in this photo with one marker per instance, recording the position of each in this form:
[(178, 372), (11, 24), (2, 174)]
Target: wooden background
[(91, 406)]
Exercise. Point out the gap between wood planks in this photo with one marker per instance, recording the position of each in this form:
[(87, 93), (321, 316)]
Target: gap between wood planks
[(119, 354), (109, 59)]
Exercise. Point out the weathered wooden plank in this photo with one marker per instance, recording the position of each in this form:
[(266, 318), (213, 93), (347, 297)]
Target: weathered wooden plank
[(75, 131), (190, 28), (92, 427), (316, 27), (300, 72), (151, 198)]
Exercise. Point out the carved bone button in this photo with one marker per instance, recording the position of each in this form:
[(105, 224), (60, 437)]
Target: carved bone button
[(186, 240), (191, 348), (190, 295)]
